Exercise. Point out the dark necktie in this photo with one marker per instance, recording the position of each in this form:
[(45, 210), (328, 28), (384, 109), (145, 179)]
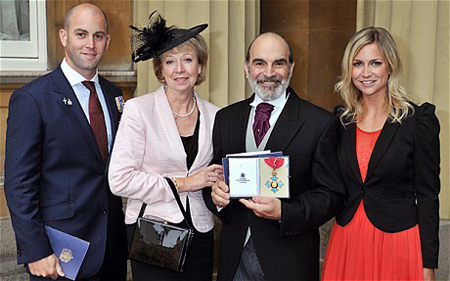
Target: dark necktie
[(97, 120), (261, 124)]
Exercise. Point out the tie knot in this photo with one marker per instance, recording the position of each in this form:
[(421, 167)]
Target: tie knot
[(264, 108), (263, 111), (90, 85), (261, 124)]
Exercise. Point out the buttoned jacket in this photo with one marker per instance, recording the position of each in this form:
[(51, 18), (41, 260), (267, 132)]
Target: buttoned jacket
[(54, 174)]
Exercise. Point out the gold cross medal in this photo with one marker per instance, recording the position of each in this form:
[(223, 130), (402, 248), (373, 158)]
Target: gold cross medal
[(274, 184)]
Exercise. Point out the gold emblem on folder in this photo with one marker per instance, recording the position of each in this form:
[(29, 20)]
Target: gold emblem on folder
[(66, 255)]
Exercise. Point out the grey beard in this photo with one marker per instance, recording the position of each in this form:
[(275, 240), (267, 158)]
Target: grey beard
[(269, 93)]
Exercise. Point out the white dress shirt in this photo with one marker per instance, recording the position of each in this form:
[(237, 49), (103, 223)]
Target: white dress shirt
[(82, 93)]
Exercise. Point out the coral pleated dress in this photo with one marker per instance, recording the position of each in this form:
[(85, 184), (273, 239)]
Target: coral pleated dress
[(360, 251)]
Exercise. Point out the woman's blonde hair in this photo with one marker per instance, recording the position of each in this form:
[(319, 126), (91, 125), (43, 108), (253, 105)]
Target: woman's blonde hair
[(196, 44), (398, 101)]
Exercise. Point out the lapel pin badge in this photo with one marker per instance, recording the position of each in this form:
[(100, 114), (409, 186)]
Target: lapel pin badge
[(67, 101), (120, 103)]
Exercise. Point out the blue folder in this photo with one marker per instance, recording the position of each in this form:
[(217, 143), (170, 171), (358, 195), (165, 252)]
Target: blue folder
[(69, 249)]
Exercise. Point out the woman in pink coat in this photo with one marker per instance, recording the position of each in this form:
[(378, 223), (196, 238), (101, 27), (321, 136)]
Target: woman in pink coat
[(168, 134)]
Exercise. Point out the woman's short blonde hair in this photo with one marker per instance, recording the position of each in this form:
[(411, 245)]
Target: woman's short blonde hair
[(196, 44), (398, 101)]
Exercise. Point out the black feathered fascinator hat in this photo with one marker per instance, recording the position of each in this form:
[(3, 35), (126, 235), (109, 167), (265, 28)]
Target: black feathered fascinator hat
[(157, 38)]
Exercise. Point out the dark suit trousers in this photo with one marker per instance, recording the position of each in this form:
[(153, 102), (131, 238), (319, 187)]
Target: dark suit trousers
[(249, 267)]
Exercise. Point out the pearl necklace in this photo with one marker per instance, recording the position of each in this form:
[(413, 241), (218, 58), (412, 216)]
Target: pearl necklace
[(189, 113)]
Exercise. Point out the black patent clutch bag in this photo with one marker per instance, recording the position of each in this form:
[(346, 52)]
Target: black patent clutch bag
[(161, 243)]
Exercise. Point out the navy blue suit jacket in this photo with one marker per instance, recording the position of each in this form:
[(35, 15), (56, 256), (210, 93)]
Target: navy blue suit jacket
[(54, 174)]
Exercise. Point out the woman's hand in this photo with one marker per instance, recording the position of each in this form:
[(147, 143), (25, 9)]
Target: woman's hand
[(220, 194), (204, 177), (428, 274)]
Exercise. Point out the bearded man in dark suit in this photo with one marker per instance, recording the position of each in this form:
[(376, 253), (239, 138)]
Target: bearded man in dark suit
[(269, 238), (60, 130)]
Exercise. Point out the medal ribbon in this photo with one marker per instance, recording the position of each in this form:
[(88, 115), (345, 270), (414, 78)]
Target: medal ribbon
[(274, 162)]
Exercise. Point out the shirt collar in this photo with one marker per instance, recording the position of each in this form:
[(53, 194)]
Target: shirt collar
[(73, 76), (278, 103)]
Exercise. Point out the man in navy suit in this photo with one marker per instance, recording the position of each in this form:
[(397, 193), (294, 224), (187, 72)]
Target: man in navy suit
[(266, 238), (59, 134)]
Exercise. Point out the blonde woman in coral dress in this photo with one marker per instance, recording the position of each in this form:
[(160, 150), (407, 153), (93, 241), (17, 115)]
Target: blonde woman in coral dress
[(389, 160)]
